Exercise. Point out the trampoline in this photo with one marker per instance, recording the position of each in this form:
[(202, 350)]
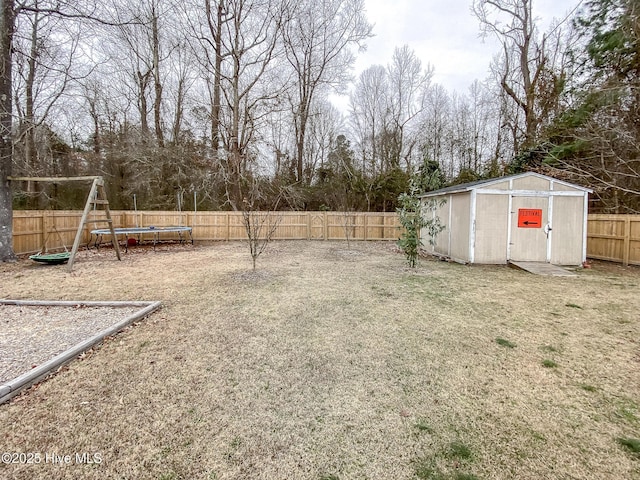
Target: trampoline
[(133, 232)]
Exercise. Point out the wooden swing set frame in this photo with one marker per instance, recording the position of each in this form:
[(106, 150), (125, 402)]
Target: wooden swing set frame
[(97, 197)]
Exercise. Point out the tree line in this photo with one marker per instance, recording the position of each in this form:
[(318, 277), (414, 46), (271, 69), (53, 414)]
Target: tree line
[(231, 99)]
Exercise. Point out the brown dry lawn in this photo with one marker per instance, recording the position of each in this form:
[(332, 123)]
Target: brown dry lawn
[(329, 363)]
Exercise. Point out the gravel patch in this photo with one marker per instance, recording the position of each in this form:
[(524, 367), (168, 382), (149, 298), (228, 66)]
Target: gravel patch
[(31, 335)]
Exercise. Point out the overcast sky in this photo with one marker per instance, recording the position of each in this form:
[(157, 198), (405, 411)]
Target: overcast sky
[(442, 33)]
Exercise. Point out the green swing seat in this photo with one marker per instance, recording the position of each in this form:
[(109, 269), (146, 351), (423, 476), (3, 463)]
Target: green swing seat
[(51, 258)]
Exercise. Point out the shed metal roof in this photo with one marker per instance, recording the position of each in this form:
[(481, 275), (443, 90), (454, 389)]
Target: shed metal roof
[(467, 187)]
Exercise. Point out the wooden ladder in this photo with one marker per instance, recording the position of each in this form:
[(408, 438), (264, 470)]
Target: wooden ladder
[(97, 197)]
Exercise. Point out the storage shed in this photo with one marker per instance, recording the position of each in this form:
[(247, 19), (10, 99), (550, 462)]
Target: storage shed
[(527, 217)]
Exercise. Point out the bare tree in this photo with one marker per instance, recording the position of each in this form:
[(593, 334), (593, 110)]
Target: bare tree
[(47, 60), (436, 120), (260, 224), (128, 51), (138, 47), (318, 37), (324, 125), (385, 110), (368, 115), (481, 113), (182, 77), (409, 83), (250, 40), (207, 31), (526, 71), (348, 216)]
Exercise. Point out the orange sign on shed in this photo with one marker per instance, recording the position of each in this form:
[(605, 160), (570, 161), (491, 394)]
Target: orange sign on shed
[(529, 218)]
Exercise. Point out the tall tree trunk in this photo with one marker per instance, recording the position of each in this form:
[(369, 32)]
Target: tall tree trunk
[(156, 79), (301, 131), (6, 147), (28, 127), (215, 28), (235, 150), (217, 81), (93, 111), (143, 82), (177, 119)]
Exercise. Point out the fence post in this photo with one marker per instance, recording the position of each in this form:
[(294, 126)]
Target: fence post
[(384, 225), (366, 223), (44, 229), (326, 226), (626, 252)]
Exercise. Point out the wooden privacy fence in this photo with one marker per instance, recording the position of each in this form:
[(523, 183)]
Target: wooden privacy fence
[(615, 238), (32, 228), (609, 237)]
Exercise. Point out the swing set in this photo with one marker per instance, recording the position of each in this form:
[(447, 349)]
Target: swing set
[(97, 197)]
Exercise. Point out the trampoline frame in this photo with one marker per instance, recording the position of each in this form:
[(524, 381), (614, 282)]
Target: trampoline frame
[(132, 232)]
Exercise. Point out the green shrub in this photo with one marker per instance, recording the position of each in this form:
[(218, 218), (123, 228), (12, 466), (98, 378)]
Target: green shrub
[(413, 220)]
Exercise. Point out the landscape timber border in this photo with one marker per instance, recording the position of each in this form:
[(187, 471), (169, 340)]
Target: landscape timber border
[(13, 387)]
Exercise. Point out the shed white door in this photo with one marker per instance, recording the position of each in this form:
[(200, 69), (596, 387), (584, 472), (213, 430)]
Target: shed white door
[(528, 239)]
